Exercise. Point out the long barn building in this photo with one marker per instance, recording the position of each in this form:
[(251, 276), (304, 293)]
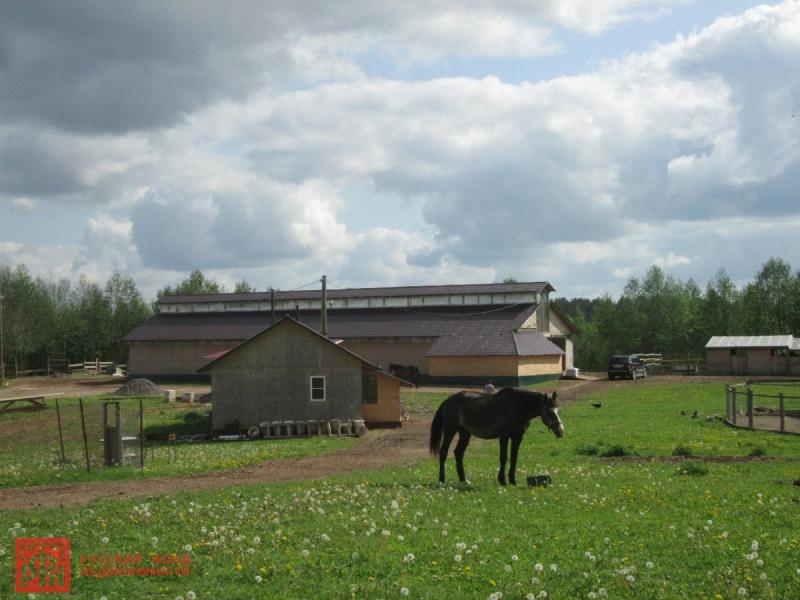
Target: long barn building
[(453, 334)]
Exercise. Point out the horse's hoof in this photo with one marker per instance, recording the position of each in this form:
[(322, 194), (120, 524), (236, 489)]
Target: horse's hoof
[(512, 481)]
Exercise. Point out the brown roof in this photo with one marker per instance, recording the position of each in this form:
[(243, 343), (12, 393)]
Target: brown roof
[(482, 339), (432, 322), (412, 290), (289, 321)]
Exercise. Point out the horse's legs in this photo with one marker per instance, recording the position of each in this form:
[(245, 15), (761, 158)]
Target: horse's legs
[(461, 447), (512, 468), (443, 450), (501, 476)]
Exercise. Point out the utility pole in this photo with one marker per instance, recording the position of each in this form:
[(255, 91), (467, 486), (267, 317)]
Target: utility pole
[(324, 307), (272, 304), (2, 341)]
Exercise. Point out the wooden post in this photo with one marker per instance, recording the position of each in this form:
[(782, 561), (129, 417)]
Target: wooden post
[(727, 403), (141, 434), (783, 412), (324, 307), (85, 441), (2, 356), (750, 407), (60, 434)]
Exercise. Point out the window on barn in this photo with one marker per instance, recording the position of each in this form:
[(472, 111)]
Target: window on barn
[(317, 388)]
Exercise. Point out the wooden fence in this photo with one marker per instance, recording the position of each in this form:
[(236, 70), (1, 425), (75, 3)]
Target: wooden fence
[(63, 365), (684, 364)]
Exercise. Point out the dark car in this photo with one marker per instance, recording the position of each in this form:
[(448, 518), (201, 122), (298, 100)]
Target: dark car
[(626, 366)]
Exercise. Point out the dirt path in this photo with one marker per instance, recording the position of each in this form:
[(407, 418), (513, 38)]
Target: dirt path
[(377, 450)]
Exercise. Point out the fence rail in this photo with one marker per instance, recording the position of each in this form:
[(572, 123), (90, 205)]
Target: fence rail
[(740, 404), (673, 363), (63, 365)]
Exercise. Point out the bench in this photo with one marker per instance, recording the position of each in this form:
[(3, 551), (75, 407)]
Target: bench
[(36, 402)]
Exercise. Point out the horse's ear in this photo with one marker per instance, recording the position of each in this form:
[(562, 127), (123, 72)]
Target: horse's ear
[(553, 398)]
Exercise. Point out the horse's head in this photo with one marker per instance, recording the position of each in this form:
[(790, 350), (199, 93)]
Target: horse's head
[(550, 416)]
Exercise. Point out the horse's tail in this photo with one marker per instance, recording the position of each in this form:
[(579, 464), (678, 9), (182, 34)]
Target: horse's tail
[(437, 430)]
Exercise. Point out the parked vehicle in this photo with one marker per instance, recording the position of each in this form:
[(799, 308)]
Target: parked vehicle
[(627, 366)]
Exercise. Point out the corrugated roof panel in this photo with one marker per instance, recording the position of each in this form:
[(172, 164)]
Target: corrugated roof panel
[(389, 322), (749, 341), (378, 292), (533, 343)]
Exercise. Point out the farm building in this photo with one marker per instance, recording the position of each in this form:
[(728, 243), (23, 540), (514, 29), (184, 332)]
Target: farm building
[(289, 372), (753, 355), (453, 334)]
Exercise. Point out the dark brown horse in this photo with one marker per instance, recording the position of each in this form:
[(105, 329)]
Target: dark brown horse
[(407, 372), (504, 415)]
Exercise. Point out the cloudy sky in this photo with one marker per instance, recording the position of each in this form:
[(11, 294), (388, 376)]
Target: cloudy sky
[(388, 143)]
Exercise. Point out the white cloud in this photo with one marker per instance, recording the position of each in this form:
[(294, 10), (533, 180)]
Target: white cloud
[(582, 180)]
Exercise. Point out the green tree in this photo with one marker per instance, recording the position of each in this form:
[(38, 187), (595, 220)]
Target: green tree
[(769, 302), (243, 287), (128, 309), (197, 283)]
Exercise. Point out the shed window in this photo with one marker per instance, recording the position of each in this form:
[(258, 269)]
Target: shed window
[(317, 388), (369, 387)]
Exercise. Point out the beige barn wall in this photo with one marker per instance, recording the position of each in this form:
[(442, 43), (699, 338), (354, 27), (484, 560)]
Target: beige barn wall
[(557, 325), (387, 409), (539, 365), (172, 358), (472, 366), (386, 353)]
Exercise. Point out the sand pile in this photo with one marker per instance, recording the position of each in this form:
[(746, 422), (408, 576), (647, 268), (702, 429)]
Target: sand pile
[(139, 387)]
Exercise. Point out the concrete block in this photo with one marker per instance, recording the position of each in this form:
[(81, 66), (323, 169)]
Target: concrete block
[(169, 396), (188, 397)]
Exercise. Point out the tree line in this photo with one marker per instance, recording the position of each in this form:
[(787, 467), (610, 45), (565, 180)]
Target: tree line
[(662, 314), (658, 313), (59, 319)]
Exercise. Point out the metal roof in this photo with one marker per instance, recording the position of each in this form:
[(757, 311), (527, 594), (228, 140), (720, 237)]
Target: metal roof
[(432, 322), (533, 343), (377, 292), (795, 345), (749, 341)]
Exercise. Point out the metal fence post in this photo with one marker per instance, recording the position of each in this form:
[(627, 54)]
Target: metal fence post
[(733, 404), (85, 441), (60, 434), (783, 412), (750, 407)]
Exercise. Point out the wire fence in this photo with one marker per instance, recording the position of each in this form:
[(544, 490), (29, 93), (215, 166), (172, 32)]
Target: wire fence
[(67, 435), (770, 405)]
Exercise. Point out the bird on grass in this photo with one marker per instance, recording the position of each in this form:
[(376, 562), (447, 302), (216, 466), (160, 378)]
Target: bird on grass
[(597, 404)]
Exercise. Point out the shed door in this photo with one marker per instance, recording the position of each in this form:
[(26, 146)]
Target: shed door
[(369, 387)]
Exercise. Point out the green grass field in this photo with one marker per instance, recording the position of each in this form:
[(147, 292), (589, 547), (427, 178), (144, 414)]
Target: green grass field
[(31, 452), (616, 528)]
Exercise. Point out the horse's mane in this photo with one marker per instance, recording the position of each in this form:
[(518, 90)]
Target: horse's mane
[(549, 400)]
